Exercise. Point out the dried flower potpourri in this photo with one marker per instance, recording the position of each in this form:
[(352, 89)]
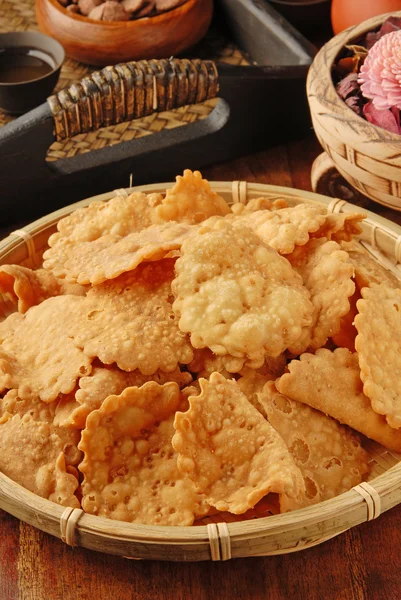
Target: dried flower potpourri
[(175, 356), (368, 76)]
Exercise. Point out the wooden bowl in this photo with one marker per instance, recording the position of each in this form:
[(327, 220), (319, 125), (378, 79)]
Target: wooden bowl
[(368, 157), (103, 43), (220, 536)]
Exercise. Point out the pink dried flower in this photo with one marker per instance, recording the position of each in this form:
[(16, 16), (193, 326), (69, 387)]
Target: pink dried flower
[(380, 74)]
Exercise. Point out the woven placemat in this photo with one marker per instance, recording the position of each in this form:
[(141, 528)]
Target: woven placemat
[(19, 15)]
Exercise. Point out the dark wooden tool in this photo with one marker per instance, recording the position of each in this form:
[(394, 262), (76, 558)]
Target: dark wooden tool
[(258, 106)]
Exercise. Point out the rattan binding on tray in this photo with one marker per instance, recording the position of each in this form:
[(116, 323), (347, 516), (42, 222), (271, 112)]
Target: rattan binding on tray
[(221, 536)]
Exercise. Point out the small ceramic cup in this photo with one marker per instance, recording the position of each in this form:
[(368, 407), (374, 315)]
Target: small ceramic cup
[(30, 64)]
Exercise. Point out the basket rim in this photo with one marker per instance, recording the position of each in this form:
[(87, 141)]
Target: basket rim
[(325, 59), (323, 516)]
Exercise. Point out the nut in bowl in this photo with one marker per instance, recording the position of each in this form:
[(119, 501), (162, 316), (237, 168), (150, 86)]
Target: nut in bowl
[(176, 355), (366, 155), (94, 36)]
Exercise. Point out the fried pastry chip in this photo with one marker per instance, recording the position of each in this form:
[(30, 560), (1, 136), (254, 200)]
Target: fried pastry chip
[(367, 269), (110, 256), (37, 357), (104, 382), (271, 368), (28, 288), (327, 274), (190, 200), (129, 321), (8, 305), (330, 382), (329, 455), (66, 483), (345, 338), (130, 467), (340, 226), (258, 204), (46, 413), (233, 455), (251, 384), (237, 296), (31, 454), (205, 362), (378, 345), (118, 217), (285, 228), (11, 404)]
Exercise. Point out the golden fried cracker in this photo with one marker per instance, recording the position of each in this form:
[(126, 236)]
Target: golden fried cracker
[(190, 200), (118, 217), (329, 455), (258, 204), (340, 226), (66, 483), (285, 228), (12, 404), (345, 338), (327, 274), (129, 321), (37, 356), (230, 451), (8, 305), (237, 296), (251, 384), (367, 269), (330, 382), (28, 288), (110, 256), (31, 454), (378, 345), (130, 467), (104, 382), (271, 368), (205, 362), (46, 413)]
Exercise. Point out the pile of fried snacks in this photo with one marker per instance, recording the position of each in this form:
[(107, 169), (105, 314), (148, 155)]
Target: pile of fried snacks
[(175, 357)]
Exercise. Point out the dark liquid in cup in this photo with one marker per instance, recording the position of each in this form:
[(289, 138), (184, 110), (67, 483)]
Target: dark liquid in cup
[(24, 64)]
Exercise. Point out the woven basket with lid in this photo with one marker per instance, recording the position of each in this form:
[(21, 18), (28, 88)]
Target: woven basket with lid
[(367, 156), (218, 538)]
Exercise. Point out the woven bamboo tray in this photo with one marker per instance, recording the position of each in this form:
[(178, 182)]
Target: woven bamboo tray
[(368, 157), (222, 536)]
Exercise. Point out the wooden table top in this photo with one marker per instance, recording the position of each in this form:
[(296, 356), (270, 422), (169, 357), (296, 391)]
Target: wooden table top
[(361, 564)]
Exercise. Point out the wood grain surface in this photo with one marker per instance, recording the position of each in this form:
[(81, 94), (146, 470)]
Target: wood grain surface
[(361, 564)]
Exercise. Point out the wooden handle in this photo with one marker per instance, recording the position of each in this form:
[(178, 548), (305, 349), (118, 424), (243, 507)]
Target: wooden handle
[(130, 91)]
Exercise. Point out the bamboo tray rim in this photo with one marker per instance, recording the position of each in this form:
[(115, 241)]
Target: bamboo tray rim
[(304, 527)]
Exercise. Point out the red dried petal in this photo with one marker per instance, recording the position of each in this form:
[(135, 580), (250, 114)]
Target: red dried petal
[(382, 118)]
